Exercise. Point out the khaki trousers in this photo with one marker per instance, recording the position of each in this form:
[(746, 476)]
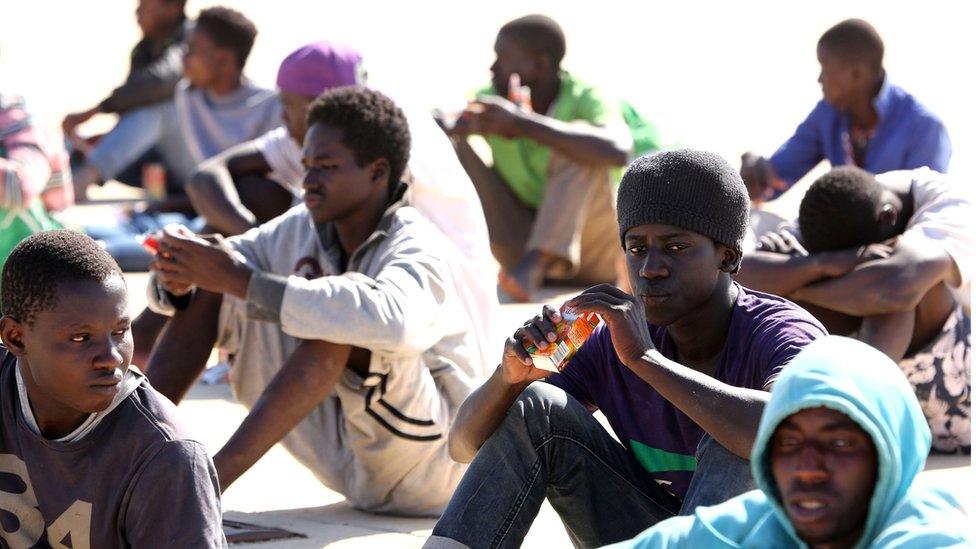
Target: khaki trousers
[(576, 222)]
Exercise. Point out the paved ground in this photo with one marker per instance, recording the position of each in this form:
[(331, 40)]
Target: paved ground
[(280, 492)]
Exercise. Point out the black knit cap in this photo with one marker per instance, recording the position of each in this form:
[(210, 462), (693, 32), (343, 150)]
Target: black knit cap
[(695, 190)]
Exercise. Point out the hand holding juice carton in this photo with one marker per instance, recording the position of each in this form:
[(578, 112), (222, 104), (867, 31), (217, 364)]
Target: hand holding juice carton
[(571, 331), (150, 241)]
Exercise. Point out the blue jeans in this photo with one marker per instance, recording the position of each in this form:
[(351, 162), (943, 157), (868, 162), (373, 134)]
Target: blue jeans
[(154, 127), (550, 446)]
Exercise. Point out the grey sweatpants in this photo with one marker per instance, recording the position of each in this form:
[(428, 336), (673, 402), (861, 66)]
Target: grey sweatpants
[(381, 440)]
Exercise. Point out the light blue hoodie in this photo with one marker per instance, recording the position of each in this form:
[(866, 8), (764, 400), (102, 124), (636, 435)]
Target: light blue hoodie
[(855, 379)]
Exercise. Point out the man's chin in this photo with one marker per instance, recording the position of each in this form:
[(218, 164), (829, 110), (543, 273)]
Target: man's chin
[(501, 90)]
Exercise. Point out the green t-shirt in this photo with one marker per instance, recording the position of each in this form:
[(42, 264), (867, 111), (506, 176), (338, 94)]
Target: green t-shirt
[(522, 162)]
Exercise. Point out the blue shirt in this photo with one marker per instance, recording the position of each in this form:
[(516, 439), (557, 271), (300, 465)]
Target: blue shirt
[(907, 136)]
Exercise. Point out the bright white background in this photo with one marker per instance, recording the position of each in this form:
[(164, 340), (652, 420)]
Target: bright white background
[(725, 76)]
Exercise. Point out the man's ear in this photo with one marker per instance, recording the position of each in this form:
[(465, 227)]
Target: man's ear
[(12, 334), (226, 57), (731, 260), (380, 171)]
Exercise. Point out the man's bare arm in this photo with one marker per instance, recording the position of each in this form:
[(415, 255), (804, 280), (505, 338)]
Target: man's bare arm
[(307, 377), (582, 142), (729, 414), (891, 285), (183, 347), (781, 274), (213, 194), (889, 333)]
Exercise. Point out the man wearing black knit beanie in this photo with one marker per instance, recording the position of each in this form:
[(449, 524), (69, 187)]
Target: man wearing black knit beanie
[(681, 370)]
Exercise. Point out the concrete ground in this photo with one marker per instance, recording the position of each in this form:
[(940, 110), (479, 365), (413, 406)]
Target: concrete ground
[(279, 492)]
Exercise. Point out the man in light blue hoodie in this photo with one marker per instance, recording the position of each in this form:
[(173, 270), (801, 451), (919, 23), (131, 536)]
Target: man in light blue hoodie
[(839, 448)]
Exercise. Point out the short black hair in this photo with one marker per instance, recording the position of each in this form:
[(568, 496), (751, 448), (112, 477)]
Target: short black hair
[(371, 123), (854, 40), (538, 34), (840, 210), (229, 29), (41, 262)]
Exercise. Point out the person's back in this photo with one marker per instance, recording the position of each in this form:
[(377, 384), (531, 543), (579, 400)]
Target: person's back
[(837, 457), (103, 458)]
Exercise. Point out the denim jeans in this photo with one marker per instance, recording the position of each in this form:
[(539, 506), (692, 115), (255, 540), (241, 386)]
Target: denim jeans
[(138, 131), (550, 446)]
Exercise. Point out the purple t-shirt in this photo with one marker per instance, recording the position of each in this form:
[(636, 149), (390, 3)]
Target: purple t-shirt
[(765, 333)]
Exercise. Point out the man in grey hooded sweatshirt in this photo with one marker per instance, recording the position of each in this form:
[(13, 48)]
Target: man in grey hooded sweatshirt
[(348, 339)]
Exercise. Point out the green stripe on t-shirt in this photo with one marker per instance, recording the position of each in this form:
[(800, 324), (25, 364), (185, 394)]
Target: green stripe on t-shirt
[(655, 460)]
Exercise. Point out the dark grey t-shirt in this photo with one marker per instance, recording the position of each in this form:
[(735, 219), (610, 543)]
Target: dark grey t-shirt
[(133, 481)]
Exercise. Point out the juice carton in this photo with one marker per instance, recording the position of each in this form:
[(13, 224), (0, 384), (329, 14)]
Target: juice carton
[(571, 332)]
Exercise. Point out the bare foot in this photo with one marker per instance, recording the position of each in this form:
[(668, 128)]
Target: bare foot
[(522, 282), (513, 288)]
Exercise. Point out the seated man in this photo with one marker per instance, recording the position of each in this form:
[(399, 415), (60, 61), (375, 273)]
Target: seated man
[(256, 181), (680, 371), (548, 199), (35, 175), (836, 460), (863, 120), (213, 109), (348, 341), (155, 66), (907, 297), (90, 454)]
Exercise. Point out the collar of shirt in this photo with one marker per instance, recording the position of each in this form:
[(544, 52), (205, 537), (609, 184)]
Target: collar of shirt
[(329, 239), (884, 101)]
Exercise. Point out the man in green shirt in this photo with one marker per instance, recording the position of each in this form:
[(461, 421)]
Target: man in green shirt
[(556, 144)]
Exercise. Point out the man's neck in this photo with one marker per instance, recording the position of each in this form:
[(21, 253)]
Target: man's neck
[(353, 230), (700, 336), (164, 32), (544, 93), (863, 115), (845, 542), (53, 421), (226, 86)]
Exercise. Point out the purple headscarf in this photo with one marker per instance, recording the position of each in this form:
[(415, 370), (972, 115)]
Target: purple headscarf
[(319, 66)]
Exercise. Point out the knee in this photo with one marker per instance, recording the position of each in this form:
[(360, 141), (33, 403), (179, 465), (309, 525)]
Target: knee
[(542, 408), (201, 185)]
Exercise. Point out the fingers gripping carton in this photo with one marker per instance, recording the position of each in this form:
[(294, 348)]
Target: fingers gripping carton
[(571, 331)]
